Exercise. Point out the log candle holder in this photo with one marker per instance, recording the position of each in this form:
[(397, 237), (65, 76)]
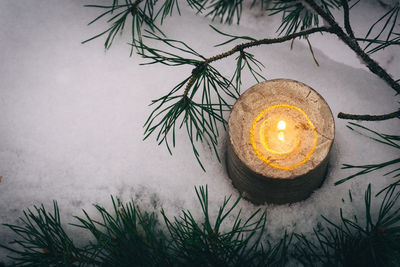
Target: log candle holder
[(280, 133)]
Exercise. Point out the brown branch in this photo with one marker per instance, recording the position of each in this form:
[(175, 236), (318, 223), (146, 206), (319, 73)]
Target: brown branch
[(241, 47), (282, 39), (279, 39), (334, 28), (372, 65), (392, 115)]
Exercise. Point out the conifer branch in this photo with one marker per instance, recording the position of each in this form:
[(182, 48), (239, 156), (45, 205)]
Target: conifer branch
[(347, 18), (372, 65), (196, 105), (373, 241), (389, 140), (128, 236), (383, 117), (266, 41), (241, 47)]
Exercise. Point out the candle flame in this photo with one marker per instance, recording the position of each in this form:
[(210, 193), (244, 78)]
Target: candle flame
[(281, 125), (279, 143)]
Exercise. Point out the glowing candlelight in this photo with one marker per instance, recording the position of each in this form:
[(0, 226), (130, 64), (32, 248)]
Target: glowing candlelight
[(283, 137), (280, 133), (281, 125)]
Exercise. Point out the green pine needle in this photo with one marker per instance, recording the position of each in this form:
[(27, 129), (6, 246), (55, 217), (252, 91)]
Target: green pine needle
[(197, 104), (377, 243), (225, 10), (385, 25), (297, 17), (42, 240), (389, 140), (140, 17), (126, 236)]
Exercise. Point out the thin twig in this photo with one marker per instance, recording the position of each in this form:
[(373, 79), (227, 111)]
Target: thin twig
[(312, 52), (392, 115), (334, 28), (271, 41), (241, 47)]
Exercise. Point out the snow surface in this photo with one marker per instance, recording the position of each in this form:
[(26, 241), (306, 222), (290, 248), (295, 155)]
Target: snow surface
[(72, 115)]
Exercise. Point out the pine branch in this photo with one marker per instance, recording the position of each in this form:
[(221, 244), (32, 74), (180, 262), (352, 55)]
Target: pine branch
[(347, 19), (391, 15), (372, 65), (266, 41), (296, 16), (352, 244), (200, 119), (389, 140), (247, 60), (225, 10), (140, 16), (383, 117), (206, 245), (167, 8), (200, 66), (43, 241), (127, 236), (124, 235), (201, 114)]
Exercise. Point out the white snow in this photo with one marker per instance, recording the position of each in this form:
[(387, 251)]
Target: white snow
[(71, 115)]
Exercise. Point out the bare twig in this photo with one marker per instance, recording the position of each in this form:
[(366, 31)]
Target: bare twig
[(241, 47), (312, 52), (333, 28), (383, 117)]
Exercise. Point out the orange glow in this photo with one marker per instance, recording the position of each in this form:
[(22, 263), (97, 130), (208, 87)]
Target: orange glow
[(283, 137)]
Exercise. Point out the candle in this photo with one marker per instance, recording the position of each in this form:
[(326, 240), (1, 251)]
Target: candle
[(283, 136), (280, 133)]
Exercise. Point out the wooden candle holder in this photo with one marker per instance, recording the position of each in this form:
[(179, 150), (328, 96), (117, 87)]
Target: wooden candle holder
[(262, 169)]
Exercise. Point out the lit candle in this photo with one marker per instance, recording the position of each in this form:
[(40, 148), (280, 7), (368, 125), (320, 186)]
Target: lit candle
[(280, 134), (283, 136)]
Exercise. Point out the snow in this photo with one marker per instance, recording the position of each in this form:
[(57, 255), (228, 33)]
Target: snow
[(72, 115)]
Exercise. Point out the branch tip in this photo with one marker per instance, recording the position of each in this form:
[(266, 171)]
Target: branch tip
[(367, 117)]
